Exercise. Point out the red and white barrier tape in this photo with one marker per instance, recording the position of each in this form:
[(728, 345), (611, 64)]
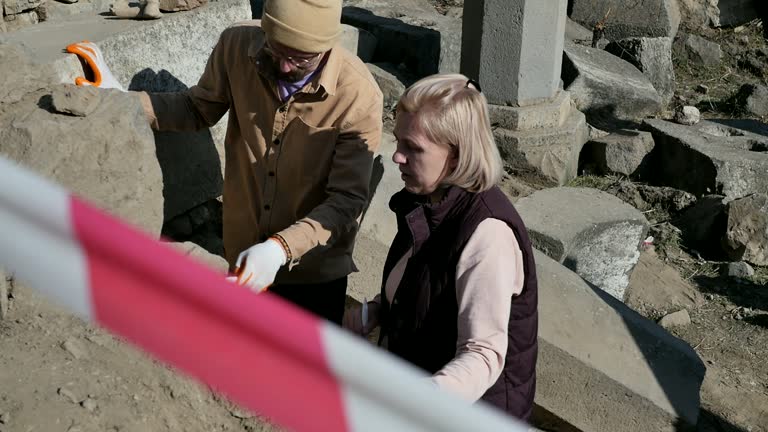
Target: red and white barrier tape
[(265, 354)]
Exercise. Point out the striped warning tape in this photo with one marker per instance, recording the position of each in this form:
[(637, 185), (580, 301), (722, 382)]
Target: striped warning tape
[(263, 353)]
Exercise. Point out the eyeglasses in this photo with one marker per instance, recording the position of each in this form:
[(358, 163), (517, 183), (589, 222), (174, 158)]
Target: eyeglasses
[(298, 62)]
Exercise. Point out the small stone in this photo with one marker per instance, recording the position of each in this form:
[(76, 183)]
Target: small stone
[(703, 89), (89, 404), (74, 100), (677, 319), (740, 270), (687, 115), (76, 348), (744, 40), (710, 297), (236, 413), (68, 395), (5, 418)]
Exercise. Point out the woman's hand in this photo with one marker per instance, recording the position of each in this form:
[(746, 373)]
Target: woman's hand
[(353, 319)]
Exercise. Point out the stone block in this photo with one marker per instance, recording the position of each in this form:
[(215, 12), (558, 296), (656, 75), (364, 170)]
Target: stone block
[(358, 41), (547, 156), (653, 57), (201, 255), (550, 114), (425, 49), (637, 18), (391, 86), (624, 152), (603, 367), (575, 32), (21, 20), (521, 39), (107, 157), (192, 162), (716, 159), (606, 87), (592, 232)]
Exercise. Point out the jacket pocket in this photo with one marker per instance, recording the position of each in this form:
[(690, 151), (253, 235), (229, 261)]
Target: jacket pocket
[(308, 150)]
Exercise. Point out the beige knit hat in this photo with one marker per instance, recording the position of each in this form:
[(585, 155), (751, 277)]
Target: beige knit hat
[(305, 25)]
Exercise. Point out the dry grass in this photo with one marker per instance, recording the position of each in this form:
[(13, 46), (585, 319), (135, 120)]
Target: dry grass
[(725, 79)]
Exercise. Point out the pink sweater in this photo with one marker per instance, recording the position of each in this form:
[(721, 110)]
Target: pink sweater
[(489, 273)]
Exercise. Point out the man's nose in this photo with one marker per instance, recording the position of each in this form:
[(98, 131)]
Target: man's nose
[(285, 66), (398, 158)]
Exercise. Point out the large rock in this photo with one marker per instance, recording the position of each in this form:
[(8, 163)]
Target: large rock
[(746, 236), (409, 33), (605, 87), (603, 367), (715, 158), (752, 99), (656, 286), (191, 161), (637, 18), (622, 152), (700, 51), (653, 57), (591, 232), (106, 156)]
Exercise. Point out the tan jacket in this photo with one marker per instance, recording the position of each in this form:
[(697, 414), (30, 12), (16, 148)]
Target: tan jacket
[(300, 168)]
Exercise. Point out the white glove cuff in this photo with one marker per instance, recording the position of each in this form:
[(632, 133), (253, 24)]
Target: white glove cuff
[(275, 249)]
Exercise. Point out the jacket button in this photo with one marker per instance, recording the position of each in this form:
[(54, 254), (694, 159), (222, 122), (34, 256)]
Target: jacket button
[(276, 141), (271, 174), (267, 207)]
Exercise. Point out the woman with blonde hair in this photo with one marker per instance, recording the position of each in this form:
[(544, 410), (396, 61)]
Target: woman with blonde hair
[(459, 295)]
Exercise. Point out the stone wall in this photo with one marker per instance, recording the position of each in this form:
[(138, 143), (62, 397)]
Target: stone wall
[(21, 13)]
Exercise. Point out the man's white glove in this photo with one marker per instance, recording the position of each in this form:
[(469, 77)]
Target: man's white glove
[(257, 266), (91, 54)]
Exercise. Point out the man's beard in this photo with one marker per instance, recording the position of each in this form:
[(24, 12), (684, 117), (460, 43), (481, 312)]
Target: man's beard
[(293, 76)]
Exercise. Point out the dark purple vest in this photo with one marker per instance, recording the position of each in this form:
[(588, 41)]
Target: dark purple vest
[(420, 324)]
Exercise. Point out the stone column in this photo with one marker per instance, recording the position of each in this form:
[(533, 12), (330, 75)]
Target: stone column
[(514, 48)]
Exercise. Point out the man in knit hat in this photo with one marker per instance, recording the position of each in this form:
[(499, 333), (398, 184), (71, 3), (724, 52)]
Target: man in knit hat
[(304, 123)]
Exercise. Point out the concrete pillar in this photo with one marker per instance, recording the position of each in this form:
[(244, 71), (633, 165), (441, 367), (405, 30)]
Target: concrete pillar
[(514, 49)]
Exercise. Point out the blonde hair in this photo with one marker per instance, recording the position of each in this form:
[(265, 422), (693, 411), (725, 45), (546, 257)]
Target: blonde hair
[(455, 113)]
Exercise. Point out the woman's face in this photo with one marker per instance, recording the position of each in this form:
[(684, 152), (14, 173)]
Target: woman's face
[(423, 163)]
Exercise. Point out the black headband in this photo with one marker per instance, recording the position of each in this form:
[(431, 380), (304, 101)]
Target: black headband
[(475, 84)]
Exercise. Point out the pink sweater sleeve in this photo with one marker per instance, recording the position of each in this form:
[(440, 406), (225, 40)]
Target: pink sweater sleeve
[(489, 273)]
